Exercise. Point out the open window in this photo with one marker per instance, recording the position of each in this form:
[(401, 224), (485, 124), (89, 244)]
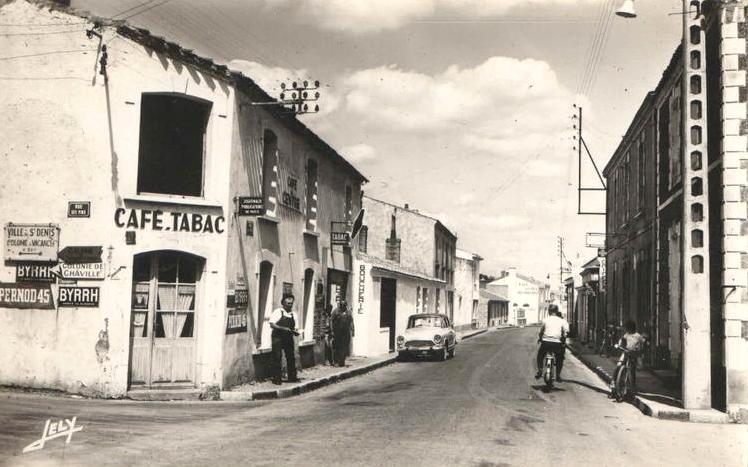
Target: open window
[(172, 144)]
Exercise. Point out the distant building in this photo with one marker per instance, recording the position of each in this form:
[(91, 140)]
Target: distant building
[(493, 308), (467, 286), (405, 264), (523, 293)]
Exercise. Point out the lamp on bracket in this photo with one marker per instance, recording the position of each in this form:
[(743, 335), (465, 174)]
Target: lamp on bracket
[(627, 9)]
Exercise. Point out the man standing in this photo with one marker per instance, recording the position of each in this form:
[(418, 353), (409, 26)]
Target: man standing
[(552, 337), (342, 330), (329, 343), (283, 323)]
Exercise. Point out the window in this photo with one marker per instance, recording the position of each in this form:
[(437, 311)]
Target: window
[(348, 203), (363, 238), (642, 176), (311, 195), (172, 144), (269, 174), (392, 244)]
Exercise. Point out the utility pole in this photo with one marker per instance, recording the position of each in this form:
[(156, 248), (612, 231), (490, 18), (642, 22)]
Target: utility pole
[(561, 261), (580, 143)]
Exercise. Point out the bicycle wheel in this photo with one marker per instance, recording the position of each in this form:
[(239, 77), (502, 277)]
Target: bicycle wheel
[(548, 371), (622, 384)]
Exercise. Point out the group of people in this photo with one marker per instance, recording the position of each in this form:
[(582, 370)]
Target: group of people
[(339, 330), (555, 329)]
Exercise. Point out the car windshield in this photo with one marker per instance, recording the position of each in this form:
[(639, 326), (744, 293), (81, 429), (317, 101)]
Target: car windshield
[(426, 321)]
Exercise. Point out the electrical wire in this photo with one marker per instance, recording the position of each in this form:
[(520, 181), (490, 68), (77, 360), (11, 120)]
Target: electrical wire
[(48, 53)]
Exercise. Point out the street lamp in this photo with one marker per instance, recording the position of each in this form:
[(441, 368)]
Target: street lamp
[(627, 9)]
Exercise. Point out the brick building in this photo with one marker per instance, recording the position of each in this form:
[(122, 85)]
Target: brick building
[(677, 213)]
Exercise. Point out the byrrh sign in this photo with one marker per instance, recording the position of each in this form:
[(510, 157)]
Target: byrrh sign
[(31, 242)]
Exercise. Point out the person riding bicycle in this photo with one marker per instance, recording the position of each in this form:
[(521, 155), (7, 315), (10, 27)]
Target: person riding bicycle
[(634, 343), (552, 337)]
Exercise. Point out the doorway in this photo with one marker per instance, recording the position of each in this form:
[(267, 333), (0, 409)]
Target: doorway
[(387, 308), (162, 330)]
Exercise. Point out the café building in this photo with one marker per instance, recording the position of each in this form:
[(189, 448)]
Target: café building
[(153, 213)]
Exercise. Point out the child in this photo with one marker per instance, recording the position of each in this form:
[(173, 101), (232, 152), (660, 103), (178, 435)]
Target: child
[(634, 343)]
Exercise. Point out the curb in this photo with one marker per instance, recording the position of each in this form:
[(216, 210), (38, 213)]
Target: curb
[(645, 407), (283, 393)]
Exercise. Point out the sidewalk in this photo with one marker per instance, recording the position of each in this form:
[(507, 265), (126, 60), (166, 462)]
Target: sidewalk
[(658, 391), (318, 376)]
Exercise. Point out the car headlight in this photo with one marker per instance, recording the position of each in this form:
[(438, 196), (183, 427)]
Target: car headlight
[(437, 339), (400, 340)]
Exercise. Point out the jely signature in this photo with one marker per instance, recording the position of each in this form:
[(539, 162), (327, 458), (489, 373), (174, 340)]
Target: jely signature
[(54, 430)]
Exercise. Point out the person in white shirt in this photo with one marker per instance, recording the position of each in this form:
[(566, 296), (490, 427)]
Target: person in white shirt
[(283, 323), (552, 337)]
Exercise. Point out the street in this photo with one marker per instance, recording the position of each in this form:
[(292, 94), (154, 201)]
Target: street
[(482, 408)]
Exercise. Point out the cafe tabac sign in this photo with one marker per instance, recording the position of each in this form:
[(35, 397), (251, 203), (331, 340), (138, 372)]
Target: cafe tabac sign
[(31, 242)]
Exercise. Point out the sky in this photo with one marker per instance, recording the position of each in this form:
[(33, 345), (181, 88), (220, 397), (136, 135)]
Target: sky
[(460, 108)]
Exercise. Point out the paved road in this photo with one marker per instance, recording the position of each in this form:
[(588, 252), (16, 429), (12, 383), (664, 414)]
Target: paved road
[(483, 408)]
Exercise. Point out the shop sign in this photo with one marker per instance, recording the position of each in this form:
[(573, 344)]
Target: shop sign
[(603, 274), (78, 296), (289, 194), (31, 242), (251, 206), (90, 271), (361, 284), (81, 254), (35, 272), (339, 234), (168, 221), (79, 209), (26, 295), (237, 321)]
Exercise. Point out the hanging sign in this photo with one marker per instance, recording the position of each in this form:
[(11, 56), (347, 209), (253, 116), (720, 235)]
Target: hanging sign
[(90, 271), (340, 234), (27, 295), (78, 296), (35, 272), (251, 206), (31, 242)]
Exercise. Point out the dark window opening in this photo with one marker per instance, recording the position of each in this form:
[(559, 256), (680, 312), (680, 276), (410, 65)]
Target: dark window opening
[(172, 144)]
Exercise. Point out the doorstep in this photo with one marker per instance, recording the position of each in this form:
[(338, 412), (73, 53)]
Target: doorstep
[(186, 394)]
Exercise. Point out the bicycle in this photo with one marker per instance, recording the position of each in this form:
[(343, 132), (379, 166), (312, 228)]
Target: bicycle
[(622, 387), (549, 368)]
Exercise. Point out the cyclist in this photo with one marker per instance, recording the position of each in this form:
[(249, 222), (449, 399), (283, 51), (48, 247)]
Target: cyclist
[(552, 337), (634, 343)]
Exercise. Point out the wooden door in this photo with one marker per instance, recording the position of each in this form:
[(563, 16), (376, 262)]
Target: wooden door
[(163, 319)]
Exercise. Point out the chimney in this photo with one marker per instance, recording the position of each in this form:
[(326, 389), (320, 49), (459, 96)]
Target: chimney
[(406, 207)]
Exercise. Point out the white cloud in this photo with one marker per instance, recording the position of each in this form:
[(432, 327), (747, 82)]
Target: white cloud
[(499, 222), (465, 199), (367, 16), (503, 106), (359, 153)]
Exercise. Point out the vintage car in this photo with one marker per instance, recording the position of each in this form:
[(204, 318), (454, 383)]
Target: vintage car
[(427, 335)]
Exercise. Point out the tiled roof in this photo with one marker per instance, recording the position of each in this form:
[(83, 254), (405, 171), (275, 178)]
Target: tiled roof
[(175, 51), (490, 296), (397, 268)]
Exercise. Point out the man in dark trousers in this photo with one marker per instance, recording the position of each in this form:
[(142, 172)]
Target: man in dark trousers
[(342, 331), (283, 323)]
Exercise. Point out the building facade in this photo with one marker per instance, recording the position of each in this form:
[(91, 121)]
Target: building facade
[(676, 255), (523, 294), (467, 288), (404, 265), (153, 216)]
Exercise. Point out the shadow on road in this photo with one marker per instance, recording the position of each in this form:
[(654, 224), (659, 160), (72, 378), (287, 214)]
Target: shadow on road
[(588, 386), (545, 389)]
